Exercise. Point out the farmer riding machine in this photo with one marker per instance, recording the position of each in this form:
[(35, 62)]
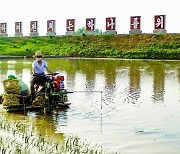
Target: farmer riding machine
[(48, 96), (53, 92)]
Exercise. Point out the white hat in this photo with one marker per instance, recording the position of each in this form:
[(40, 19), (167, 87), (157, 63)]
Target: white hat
[(38, 53)]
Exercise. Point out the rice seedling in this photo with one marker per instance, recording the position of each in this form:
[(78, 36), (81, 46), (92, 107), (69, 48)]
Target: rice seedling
[(18, 138)]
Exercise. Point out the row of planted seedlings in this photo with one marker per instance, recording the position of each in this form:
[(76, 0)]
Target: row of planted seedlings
[(19, 138)]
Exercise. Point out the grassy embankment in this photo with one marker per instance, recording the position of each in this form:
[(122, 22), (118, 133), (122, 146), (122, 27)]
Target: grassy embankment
[(146, 46)]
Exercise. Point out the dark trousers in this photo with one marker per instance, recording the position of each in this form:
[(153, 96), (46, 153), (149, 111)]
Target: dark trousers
[(37, 80)]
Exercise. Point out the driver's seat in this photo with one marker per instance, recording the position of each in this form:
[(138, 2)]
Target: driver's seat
[(37, 85)]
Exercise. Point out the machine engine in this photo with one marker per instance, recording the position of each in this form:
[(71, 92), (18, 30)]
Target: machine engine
[(58, 83)]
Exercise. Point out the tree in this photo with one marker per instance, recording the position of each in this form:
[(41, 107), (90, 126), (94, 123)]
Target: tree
[(82, 31)]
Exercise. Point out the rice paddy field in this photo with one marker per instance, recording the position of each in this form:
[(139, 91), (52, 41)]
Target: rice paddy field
[(117, 106)]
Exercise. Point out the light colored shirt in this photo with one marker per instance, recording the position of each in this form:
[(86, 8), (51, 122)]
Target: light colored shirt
[(39, 69)]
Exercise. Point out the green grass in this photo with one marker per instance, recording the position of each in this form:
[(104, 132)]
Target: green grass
[(148, 46)]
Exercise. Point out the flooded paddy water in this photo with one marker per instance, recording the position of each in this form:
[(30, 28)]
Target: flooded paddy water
[(129, 106)]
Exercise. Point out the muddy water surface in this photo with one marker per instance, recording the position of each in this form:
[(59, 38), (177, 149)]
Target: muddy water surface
[(129, 106)]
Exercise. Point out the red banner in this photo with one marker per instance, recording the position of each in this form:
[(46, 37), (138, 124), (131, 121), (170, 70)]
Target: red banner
[(3, 27), (111, 23), (135, 23), (70, 25), (18, 27), (159, 21), (33, 26), (51, 26), (90, 24)]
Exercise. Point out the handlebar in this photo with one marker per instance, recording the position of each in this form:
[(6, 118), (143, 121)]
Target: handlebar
[(53, 74)]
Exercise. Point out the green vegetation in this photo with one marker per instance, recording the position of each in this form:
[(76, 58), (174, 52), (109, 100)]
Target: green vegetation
[(82, 31), (139, 46), (19, 138)]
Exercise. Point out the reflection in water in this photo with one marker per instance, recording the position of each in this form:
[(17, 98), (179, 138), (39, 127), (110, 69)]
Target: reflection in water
[(75, 69), (60, 119), (110, 74), (11, 68), (11, 64), (39, 123), (45, 124), (178, 74), (90, 73), (26, 76), (134, 85), (127, 106), (159, 75), (110, 86), (1, 84)]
